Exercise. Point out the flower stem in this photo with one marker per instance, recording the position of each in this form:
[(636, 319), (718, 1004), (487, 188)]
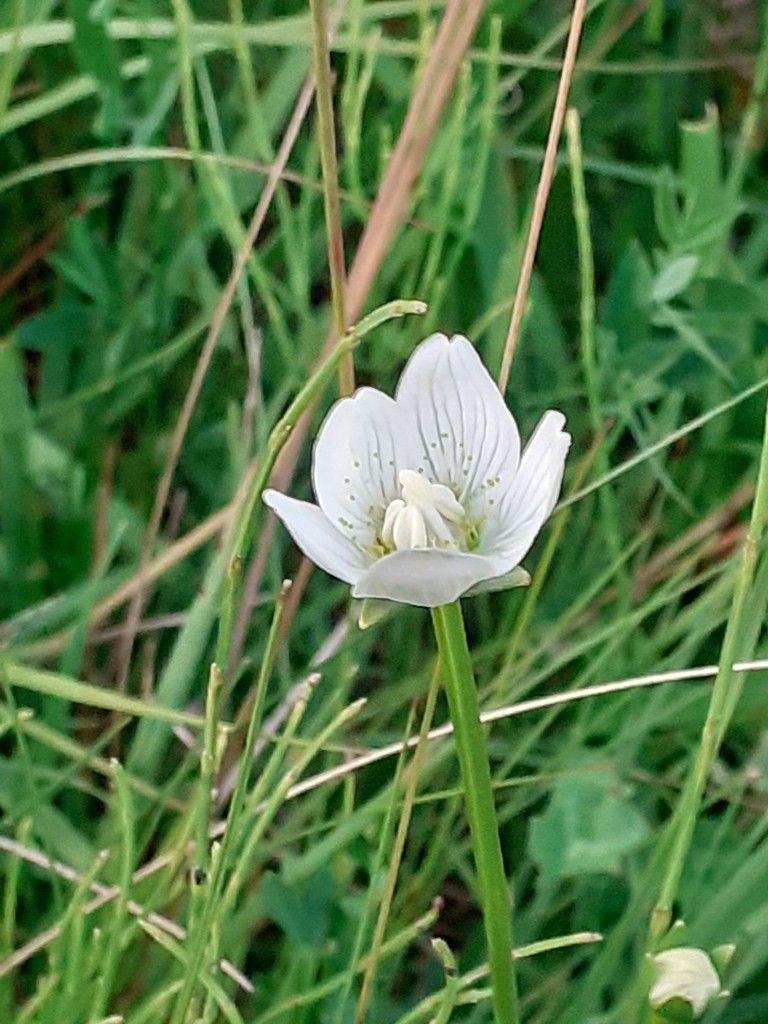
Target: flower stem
[(461, 691)]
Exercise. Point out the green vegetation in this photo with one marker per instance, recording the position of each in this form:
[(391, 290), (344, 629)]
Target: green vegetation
[(151, 869)]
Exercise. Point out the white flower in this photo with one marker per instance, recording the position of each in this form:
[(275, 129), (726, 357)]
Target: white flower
[(424, 497), (687, 974)]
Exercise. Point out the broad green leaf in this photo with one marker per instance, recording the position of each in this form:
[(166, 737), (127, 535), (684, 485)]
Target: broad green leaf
[(589, 826)]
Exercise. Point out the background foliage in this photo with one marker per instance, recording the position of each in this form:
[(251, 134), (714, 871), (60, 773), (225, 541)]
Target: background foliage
[(134, 137)]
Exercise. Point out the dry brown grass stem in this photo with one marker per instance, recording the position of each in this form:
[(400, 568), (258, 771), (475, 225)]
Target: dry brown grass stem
[(326, 131), (389, 211), (542, 192), (514, 710)]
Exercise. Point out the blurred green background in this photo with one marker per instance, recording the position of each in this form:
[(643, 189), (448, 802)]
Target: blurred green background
[(134, 140)]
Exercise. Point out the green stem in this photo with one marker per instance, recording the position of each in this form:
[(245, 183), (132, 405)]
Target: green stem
[(746, 145), (461, 691), (205, 893), (606, 498), (396, 855), (722, 705)]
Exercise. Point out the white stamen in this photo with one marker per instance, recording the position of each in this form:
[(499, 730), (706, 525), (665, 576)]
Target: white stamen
[(423, 516), (393, 511), (409, 530)]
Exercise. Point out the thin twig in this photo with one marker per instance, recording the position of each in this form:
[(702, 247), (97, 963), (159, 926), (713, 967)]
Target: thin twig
[(542, 192), (521, 708), (104, 894)]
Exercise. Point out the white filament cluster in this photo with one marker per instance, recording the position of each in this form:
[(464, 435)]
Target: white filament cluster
[(427, 516)]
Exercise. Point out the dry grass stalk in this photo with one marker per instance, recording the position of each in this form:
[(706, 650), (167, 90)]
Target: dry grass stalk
[(542, 191), (389, 211)]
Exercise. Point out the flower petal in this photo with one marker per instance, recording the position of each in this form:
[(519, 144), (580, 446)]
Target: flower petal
[(318, 538), (426, 577), (467, 434), (362, 445), (523, 510)]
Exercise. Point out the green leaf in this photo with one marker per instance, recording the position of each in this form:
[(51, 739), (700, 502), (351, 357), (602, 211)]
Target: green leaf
[(302, 910), (371, 610), (93, 48), (626, 310), (517, 577), (55, 685), (674, 278), (588, 827), (666, 207)]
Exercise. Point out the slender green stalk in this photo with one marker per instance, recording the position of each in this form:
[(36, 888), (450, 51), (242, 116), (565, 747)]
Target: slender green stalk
[(237, 801), (206, 896), (10, 67), (248, 502), (659, 446), (750, 121), (398, 847), (327, 138), (605, 496), (376, 878), (110, 958), (461, 691), (18, 521), (722, 704), (54, 684), (452, 982), (208, 764), (221, 894), (398, 942), (11, 869), (205, 893), (303, 400)]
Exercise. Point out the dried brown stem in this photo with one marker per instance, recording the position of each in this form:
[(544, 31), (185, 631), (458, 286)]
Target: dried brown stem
[(542, 192), (389, 210), (321, 62)]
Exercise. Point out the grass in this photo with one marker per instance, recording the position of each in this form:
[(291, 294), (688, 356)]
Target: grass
[(169, 324)]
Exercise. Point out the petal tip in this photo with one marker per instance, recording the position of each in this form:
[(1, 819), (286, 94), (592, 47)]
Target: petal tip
[(555, 418), (268, 497)]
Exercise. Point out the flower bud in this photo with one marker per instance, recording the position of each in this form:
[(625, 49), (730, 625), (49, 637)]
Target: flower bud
[(685, 983)]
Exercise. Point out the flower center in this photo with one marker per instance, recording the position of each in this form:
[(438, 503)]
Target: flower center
[(426, 516)]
